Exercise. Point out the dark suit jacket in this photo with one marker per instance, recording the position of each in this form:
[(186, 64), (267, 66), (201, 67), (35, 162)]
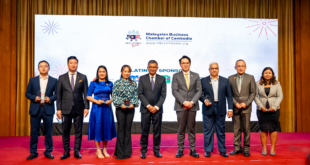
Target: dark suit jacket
[(148, 96), (248, 91), (224, 92), (182, 94), (31, 93), (66, 97)]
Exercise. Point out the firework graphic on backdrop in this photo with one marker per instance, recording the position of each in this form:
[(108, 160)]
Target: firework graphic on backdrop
[(60, 70), (50, 27), (262, 26)]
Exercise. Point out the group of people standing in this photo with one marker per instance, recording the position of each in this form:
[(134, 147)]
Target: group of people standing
[(73, 94)]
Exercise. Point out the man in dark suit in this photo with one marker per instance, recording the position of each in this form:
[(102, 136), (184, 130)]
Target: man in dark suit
[(72, 104), (152, 93), (243, 90), (186, 88), (41, 91), (215, 91)]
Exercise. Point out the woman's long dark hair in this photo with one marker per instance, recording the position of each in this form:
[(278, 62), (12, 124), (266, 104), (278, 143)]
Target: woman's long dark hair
[(126, 66), (106, 77), (273, 80)]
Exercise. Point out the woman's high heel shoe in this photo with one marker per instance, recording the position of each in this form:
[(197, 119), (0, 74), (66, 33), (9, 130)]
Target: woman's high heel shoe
[(100, 156), (106, 155)]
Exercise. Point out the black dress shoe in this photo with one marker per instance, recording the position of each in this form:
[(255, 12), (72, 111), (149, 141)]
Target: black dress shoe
[(246, 153), (235, 152), (224, 154), (143, 155), (179, 154), (194, 154), (65, 155), (49, 155), (157, 154), (207, 154), (32, 156), (77, 155)]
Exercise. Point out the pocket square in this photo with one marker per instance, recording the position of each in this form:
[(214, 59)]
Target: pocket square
[(80, 81)]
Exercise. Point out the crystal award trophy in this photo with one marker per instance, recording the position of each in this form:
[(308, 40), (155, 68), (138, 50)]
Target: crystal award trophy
[(126, 101), (208, 99), (267, 105)]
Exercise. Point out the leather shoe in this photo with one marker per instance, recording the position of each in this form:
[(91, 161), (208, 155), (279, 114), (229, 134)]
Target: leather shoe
[(194, 154), (235, 152), (224, 154), (143, 155), (207, 154), (77, 155), (49, 155), (65, 155), (179, 154), (32, 156), (157, 154), (246, 153)]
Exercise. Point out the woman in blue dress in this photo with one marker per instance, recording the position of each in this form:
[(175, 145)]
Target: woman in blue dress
[(101, 121)]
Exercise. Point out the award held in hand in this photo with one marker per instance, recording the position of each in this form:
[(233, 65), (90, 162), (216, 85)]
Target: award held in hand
[(208, 99), (126, 101), (267, 105), (102, 97), (41, 95)]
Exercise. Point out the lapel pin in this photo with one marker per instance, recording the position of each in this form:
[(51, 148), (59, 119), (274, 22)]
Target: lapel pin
[(235, 78), (191, 75), (210, 82), (107, 84)]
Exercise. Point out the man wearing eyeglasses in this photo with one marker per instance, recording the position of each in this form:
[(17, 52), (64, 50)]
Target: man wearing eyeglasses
[(215, 91), (152, 93), (243, 90), (186, 88)]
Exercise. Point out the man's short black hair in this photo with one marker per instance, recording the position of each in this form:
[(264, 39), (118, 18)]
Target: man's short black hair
[(186, 58), (45, 62), (152, 62), (72, 57), (240, 60)]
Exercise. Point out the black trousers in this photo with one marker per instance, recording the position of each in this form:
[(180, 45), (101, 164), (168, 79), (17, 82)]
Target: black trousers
[(35, 121), (66, 127), (123, 148), (146, 119)]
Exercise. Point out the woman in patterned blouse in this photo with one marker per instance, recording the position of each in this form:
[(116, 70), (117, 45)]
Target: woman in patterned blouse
[(125, 99)]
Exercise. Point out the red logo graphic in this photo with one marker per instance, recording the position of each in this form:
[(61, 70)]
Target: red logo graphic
[(60, 70), (263, 26)]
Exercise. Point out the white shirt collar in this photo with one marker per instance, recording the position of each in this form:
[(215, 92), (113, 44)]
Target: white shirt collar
[(72, 73), (153, 76), (215, 78), (188, 72), (43, 78)]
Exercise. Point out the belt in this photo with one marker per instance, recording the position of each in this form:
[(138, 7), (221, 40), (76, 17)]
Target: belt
[(41, 105), (216, 102)]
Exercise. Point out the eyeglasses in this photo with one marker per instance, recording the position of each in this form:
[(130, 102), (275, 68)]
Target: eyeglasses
[(152, 67), (213, 68)]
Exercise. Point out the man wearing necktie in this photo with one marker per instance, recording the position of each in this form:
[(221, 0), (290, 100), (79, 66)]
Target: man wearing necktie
[(215, 91), (72, 104), (186, 88), (152, 93), (243, 90)]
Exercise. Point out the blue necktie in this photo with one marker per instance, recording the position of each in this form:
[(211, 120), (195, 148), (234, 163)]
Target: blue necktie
[(152, 83)]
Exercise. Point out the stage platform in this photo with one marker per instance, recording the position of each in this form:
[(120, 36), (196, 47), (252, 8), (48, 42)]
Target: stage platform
[(292, 148)]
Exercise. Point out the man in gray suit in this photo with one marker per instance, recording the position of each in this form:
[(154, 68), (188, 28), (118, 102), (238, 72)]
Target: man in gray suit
[(243, 89), (186, 88)]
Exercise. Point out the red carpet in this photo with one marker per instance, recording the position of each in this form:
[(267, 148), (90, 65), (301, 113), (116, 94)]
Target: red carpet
[(292, 148)]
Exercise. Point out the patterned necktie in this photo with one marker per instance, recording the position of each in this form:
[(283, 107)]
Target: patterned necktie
[(187, 80), (72, 82), (152, 83), (239, 84)]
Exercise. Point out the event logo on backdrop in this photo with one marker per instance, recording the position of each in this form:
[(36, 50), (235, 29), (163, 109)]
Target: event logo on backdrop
[(50, 27), (133, 36)]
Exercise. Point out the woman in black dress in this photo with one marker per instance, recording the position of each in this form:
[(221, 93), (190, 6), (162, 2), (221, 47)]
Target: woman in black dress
[(268, 98)]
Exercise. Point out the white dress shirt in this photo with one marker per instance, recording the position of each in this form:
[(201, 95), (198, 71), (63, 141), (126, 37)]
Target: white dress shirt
[(154, 79), (74, 76), (43, 84)]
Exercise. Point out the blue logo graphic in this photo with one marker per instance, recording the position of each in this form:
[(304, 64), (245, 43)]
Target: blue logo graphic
[(50, 27), (135, 78)]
